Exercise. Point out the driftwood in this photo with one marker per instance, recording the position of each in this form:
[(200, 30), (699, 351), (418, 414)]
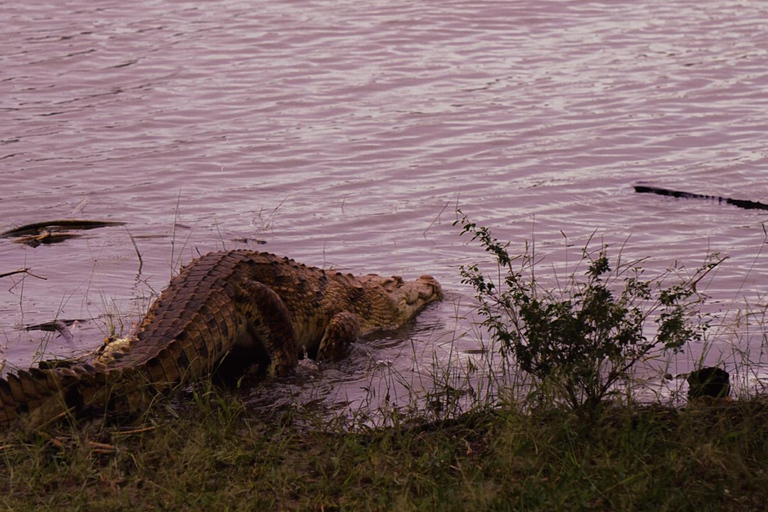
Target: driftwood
[(21, 271), (59, 326), (58, 225), (741, 203), (53, 231)]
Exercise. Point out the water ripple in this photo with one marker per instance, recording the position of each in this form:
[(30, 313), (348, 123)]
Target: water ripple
[(345, 133)]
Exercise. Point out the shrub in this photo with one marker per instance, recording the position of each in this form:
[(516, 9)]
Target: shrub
[(581, 339)]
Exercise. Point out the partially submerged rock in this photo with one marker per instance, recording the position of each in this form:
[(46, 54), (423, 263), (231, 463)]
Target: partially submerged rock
[(709, 381)]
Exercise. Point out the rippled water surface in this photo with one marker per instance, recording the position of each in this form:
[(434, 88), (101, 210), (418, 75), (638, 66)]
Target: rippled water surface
[(346, 134)]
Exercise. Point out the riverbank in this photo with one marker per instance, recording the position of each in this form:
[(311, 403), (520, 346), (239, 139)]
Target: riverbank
[(216, 455)]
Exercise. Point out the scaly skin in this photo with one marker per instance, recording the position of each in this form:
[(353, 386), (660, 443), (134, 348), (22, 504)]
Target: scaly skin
[(238, 305)]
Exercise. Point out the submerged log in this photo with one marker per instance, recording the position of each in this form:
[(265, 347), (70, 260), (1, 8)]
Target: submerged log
[(54, 231), (740, 203), (38, 228)]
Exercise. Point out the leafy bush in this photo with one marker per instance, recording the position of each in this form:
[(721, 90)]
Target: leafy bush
[(581, 339)]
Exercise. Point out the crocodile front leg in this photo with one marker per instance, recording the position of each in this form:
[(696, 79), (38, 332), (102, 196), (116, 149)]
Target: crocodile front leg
[(269, 325), (342, 330)]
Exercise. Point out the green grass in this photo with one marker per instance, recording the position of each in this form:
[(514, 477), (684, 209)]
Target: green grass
[(214, 455)]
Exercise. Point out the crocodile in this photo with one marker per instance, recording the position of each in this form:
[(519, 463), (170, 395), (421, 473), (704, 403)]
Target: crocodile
[(243, 306)]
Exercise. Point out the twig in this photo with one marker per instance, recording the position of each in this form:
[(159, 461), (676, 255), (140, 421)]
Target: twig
[(133, 431), (703, 274), (424, 234), (23, 271), (221, 239), (173, 232), (136, 248)]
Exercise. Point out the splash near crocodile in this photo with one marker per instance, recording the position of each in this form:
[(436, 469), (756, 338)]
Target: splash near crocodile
[(248, 306)]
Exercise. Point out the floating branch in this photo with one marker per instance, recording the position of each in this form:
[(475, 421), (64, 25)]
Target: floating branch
[(60, 326), (741, 203), (22, 271), (54, 231), (58, 225)]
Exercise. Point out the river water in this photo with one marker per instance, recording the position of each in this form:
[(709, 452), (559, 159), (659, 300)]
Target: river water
[(346, 134)]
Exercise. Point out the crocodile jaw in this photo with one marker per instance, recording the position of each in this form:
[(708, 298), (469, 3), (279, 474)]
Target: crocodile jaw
[(414, 295), (408, 297)]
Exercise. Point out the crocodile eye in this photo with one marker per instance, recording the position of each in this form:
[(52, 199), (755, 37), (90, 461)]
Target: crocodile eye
[(392, 283)]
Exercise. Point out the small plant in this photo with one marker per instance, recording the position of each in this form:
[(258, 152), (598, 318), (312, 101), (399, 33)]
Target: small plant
[(582, 339)]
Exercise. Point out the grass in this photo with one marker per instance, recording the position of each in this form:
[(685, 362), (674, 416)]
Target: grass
[(214, 455)]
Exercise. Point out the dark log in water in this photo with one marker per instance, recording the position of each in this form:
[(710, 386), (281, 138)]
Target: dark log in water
[(58, 225), (54, 231), (741, 203)]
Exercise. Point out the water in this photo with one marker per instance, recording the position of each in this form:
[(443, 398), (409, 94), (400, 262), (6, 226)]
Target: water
[(345, 134)]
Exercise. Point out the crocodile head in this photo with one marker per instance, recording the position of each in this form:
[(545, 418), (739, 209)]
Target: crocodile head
[(407, 297)]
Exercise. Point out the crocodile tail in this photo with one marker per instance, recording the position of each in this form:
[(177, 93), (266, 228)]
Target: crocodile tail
[(38, 395)]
